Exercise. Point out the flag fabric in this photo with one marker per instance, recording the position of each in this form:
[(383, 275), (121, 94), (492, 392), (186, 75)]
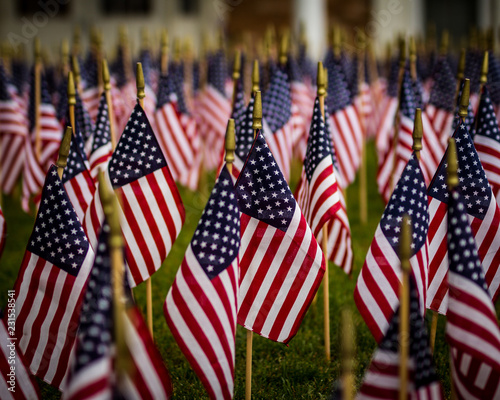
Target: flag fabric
[(76, 178), (281, 264), (440, 108), (50, 285), (151, 207), (92, 373), (487, 142), (35, 166), (85, 124), (201, 305), (16, 383), (90, 86), (244, 137), (377, 291), (13, 132), (471, 324), (484, 218), (317, 191), (176, 129), (345, 125), (381, 381), (101, 150), (493, 82), (277, 120)]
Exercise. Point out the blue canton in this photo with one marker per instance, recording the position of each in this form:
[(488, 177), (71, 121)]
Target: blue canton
[(102, 135), (462, 252), (392, 82), (58, 236), (137, 153), (443, 87), (45, 97), (472, 178), (239, 109), (262, 190), (217, 71), (166, 91), (493, 83), (473, 62), (338, 93), (244, 132), (407, 103), (4, 92), (76, 160), (216, 241), (82, 119), (178, 70), (277, 101), (62, 100), (318, 143), (409, 197), (425, 372), (487, 124)]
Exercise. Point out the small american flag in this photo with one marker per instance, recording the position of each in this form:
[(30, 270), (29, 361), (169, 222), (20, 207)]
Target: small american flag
[(317, 191), (90, 81), (13, 132), (152, 209), (382, 378), (244, 137), (277, 119), (487, 142), (484, 217), (76, 178), (440, 108), (85, 124), (201, 305), (377, 290), (92, 373), (50, 138), (176, 129), (281, 263), (345, 125), (101, 150), (25, 386), (471, 327), (50, 285)]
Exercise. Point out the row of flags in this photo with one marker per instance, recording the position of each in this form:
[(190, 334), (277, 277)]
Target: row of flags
[(254, 258)]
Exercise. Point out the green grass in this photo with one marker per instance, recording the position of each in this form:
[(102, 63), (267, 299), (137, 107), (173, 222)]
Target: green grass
[(297, 371)]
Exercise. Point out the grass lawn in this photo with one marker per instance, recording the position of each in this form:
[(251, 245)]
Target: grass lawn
[(295, 372)]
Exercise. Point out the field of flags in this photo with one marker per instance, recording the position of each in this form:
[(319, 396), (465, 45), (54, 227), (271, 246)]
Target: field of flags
[(168, 222)]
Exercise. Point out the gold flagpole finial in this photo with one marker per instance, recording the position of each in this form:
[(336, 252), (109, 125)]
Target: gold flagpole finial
[(443, 49), (337, 41), (64, 51), (417, 132), (139, 78), (76, 45), (230, 143), (461, 65), (164, 52), (484, 70), (257, 111), (75, 66), (283, 56), (177, 50), (302, 34), (38, 50), (402, 52), (62, 159), (145, 38), (464, 99), (105, 75), (255, 77), (452, 164), (71, 89), (237, 65), (321, 80), (405, 243), (164, 40)]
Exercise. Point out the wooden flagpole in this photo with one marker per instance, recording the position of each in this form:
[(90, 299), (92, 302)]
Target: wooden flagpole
[(109, 102), (149, 291), (38, 98), (62, 159), (71, 101), (404, 307), (321, 92), (164, 52), (347, 354), (236, 74), (256, 125)]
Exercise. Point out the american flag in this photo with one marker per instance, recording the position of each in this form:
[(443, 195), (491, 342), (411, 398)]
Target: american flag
[(50, 285), (440, 108), (377, 290), (92, 373), (471, 327), (201, 305), (76, 178), (345, 125), (281, 263), (277, 119), (176, 129), (484, 217), (90, 89), (13, 133), (101, 150), (25, 386), (214, 109), (382, 378), (317, 191), (50, 138), (487, 142), (85, 124), (3, 231), (493, 83), (152, 209)]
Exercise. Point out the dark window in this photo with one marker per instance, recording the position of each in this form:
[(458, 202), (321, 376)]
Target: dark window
[(126, 6), (50, 7)]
